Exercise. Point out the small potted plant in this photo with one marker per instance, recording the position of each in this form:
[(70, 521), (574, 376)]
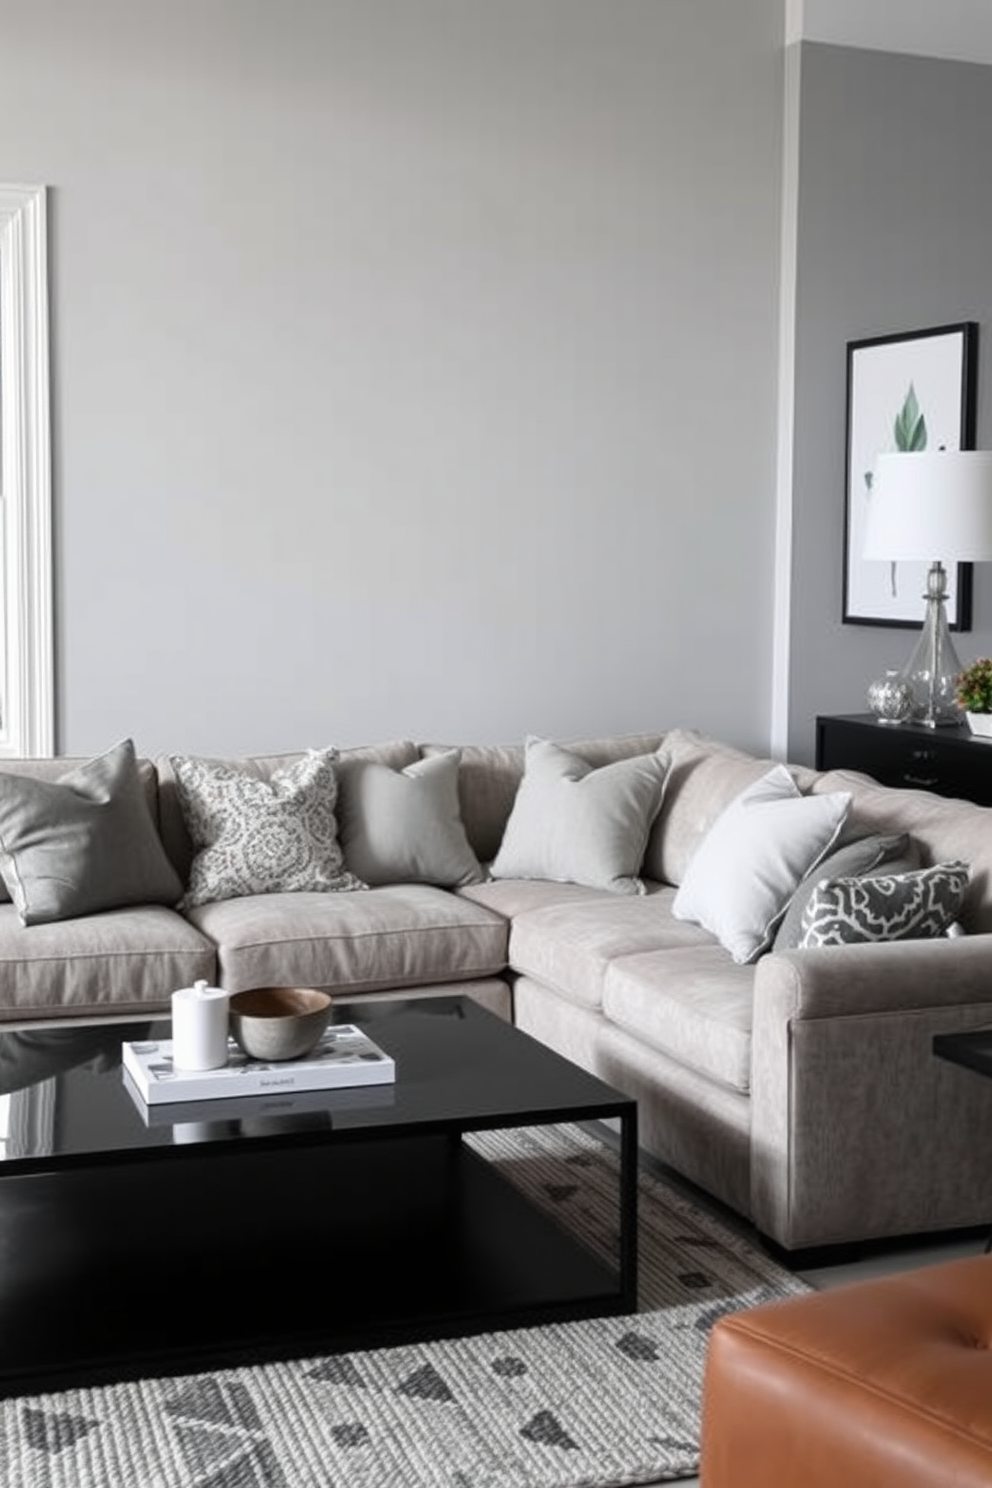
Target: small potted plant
[(974, 695)]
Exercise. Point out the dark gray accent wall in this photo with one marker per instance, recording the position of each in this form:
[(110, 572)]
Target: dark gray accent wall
[(894, 234)]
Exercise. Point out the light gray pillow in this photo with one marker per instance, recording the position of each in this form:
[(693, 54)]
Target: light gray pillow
[(571, 823), (255, 836), (751, 861), (902, 906), (405, 826), (850, 859), (83, 843)]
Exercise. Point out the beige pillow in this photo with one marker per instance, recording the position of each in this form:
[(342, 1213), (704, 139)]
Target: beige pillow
[(571, 823)]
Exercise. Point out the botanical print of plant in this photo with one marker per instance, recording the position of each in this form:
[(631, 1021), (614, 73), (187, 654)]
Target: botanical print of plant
[(909, 430)]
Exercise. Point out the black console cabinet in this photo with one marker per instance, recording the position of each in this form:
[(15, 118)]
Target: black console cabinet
[(948, 760)]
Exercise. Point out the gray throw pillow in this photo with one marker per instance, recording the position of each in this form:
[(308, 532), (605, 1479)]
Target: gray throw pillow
[(255, 836), (902, 906), (83, 843), (571, 823), (851, 859), (405, 826)]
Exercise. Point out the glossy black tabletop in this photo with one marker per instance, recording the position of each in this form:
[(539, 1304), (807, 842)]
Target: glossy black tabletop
[(971, 1048), (458, 1066)]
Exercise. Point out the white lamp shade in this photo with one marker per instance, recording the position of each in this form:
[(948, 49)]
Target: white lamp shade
[(932, 505)]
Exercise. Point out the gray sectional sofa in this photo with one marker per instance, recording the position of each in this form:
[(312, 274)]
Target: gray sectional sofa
[(793, 1081)]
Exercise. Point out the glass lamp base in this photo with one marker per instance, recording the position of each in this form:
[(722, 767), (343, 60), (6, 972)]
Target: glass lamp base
[(932, 670)]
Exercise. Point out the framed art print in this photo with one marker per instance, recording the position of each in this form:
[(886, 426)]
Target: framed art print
[(914, 391)]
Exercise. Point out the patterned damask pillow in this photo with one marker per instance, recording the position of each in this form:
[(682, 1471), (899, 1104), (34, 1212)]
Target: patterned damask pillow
[(255, 836), (898, 906)]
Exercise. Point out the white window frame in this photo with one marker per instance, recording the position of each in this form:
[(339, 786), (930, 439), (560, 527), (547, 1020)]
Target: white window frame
[(27, 711)]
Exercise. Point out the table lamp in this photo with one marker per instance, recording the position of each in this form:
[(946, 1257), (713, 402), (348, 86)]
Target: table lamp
[(934, 505)]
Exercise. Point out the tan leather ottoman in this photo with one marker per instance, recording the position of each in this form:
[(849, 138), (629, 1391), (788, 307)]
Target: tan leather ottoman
[(875, 1383)]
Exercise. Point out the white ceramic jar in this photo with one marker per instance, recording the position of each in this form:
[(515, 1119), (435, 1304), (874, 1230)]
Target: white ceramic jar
[(199, 1027)]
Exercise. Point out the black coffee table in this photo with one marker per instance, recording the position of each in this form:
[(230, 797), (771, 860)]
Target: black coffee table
[(139, 1241), (972, 1049)]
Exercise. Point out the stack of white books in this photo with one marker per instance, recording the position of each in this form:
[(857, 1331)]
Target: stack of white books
[(344, 1056)]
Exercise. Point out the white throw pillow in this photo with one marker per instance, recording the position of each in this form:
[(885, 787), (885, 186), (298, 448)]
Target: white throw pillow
[(746, 869), (571, 823), (405, 826)]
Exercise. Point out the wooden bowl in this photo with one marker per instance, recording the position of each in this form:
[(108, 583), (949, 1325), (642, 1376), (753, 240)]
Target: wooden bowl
[(274, 1023)]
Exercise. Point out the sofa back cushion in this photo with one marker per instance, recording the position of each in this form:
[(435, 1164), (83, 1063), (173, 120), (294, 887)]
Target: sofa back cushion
[(704, 777), (172, 825), (489, 776), (943, 829)]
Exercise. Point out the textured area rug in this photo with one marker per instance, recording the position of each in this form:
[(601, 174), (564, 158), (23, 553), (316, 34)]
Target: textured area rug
[(592, 1404)]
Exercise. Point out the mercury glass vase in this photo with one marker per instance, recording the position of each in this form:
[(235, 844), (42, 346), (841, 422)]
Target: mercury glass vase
[(890, 698)]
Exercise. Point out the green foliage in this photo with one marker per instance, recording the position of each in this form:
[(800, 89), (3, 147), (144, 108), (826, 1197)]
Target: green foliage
[(974, 686), (910, 427)]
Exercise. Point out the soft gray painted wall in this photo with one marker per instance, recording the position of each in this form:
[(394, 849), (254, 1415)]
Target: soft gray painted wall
[(414, 364), (894, 234)]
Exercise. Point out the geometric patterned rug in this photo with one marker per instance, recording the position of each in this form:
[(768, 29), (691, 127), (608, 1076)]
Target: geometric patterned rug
[(598, 1403)]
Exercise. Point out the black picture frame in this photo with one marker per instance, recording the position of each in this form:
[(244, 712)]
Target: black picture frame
[(912, 390)]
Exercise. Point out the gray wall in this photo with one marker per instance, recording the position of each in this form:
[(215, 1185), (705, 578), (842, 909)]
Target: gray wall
[(894, 234), (414, 363)]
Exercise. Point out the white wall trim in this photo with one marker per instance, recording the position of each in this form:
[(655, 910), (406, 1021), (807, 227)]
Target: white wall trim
[(26, 650), (795, 21), (782, 599)]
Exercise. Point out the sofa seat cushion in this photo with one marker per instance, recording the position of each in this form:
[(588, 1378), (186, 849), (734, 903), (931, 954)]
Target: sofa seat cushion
[(692, 1003), (510, 897), (570, 947), (396, 936), (117, 961)]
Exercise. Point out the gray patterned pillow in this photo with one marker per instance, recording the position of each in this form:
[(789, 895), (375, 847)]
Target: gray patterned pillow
[(900, 906), (254, 836), (854, 858)]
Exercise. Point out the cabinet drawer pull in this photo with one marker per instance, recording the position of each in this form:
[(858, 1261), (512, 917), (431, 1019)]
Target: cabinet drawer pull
[(925, 782)]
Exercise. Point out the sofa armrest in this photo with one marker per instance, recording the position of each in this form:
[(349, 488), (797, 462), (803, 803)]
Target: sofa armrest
[(831, 981), (858, 1129)]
